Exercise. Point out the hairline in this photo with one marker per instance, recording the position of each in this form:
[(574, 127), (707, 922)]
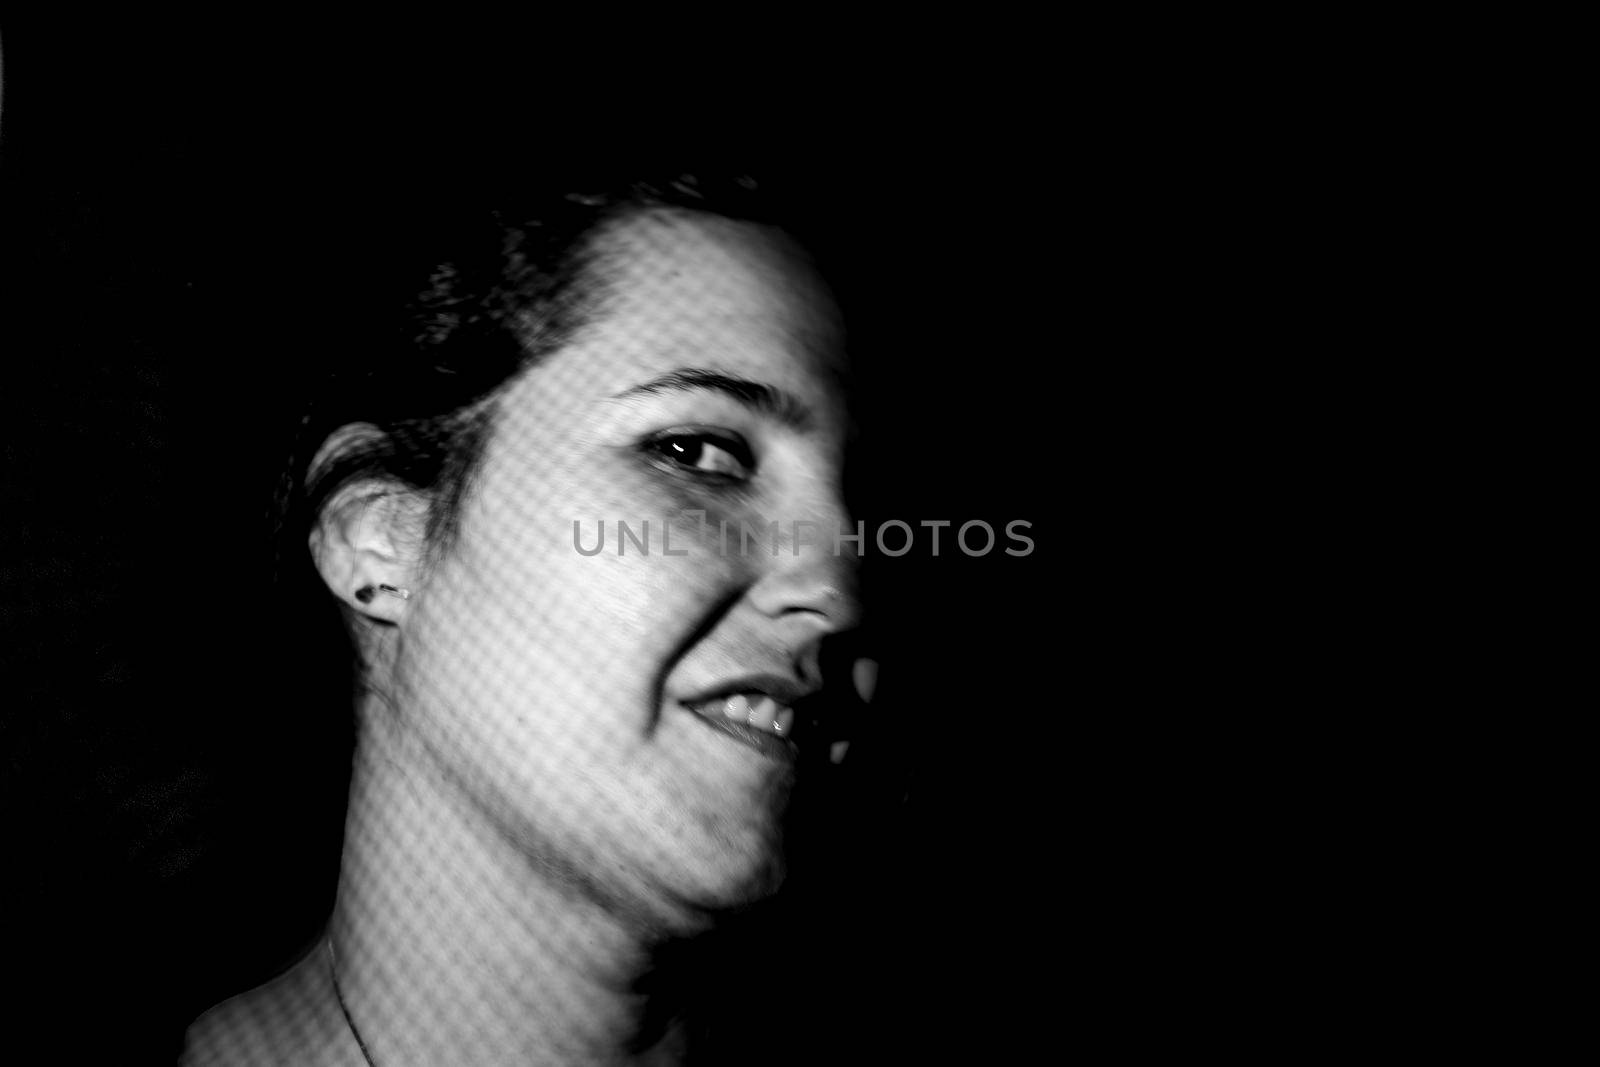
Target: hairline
[(594, 290)]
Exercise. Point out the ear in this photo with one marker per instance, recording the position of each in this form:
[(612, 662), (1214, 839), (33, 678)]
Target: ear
[(370, 534)]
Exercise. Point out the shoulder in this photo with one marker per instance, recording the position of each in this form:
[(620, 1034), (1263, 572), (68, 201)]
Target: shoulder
[(289, 1020)]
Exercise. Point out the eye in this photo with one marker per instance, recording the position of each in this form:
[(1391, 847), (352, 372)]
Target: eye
[(714, 457)]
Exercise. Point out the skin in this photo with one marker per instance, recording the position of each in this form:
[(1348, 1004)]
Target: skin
[(534, 815)]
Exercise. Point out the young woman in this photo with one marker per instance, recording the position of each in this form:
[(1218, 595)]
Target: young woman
[(571, 763)]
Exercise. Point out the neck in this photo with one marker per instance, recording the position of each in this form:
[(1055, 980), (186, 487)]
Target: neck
[(453, 946)]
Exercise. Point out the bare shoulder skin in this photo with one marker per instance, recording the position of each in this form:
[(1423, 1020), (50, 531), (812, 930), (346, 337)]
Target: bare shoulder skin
[(293, 1019)]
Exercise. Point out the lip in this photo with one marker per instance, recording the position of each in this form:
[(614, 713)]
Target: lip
[(782, 749), (785, 691)]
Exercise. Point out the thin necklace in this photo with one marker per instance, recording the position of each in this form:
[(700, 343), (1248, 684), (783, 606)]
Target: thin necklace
[(333, 972)]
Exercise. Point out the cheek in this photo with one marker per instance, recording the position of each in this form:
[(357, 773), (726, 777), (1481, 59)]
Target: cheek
[(535, 630), (534, 639), (625, 616)]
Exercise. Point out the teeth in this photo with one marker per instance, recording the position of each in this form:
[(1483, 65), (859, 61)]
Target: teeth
[(762, 712), (757, 710)]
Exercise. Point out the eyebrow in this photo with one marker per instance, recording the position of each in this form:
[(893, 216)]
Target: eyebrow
[(758, 397)]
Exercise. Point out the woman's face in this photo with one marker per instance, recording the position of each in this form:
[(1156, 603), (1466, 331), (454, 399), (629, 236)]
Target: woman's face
[(583, 699)]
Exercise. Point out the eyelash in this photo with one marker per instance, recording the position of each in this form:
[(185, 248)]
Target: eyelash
[(669, 451)]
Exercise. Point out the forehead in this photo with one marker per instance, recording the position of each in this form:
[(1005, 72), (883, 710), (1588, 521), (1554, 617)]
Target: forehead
[(685, 289)]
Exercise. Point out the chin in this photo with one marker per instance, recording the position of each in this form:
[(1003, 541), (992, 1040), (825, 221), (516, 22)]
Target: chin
[(724, 884)]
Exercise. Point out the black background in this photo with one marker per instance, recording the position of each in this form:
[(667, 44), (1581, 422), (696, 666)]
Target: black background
[(182, 205)]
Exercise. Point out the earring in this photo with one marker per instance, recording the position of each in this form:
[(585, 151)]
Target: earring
[(367, 592)]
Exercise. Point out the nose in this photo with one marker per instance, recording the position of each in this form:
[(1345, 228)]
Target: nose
[(812, 580)]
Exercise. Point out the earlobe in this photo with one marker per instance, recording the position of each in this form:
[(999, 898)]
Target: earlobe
[(367, 592)]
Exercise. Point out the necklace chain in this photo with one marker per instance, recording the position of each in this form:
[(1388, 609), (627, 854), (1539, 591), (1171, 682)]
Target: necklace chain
[(333, 972)]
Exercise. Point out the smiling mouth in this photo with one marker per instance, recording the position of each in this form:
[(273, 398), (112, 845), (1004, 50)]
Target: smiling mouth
[(753, 718)]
